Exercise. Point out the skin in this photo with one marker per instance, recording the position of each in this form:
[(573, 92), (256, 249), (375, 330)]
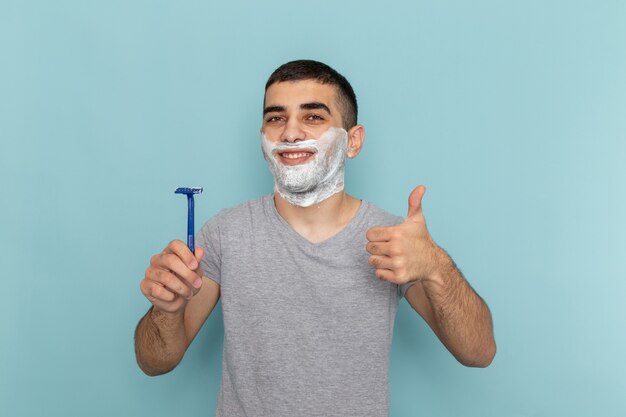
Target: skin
[(182, 298), (441, 295), (289, 116)]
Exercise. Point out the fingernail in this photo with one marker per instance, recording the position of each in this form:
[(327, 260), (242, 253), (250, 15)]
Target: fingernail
[(197, 283)]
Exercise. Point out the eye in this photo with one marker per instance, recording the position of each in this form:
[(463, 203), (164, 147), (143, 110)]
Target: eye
[(273, 119), (314, 117)]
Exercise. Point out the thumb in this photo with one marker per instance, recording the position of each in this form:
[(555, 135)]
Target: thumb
[(415, 202), (199, 253)]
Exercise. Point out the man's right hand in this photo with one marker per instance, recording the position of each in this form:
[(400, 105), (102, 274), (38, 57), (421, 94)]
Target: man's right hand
[(173, 277)]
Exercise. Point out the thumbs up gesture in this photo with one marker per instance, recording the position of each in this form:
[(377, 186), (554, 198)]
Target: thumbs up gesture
[(405, 252)]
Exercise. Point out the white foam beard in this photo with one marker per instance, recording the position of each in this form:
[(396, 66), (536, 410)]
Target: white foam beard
[(313, 182)]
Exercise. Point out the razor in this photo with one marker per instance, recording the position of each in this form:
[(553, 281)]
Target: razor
[(189, 192)]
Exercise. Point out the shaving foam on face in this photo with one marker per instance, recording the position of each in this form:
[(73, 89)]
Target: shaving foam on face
[(314, 181)]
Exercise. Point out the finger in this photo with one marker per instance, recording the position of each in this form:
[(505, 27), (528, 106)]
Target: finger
[(171, 282), (379, 234), (175, 264), (415, 203), (391, 248), (378, 248), (181, 250), (199, 254), (385, 274), (381, 262), (156, 292)]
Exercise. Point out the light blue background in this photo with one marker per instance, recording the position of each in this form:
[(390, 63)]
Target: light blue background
[(513, 114)]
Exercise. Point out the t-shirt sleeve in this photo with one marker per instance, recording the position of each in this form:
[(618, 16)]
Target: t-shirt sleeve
[(402, 288), (208, 238)]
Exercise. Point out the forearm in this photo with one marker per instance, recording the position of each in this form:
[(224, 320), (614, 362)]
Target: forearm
[(462, 318), (160, 341)]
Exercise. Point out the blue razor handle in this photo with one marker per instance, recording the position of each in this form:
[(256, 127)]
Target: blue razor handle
[(189, 192)]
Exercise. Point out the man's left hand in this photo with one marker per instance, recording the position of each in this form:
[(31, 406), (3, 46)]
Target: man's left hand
[(406, 252)]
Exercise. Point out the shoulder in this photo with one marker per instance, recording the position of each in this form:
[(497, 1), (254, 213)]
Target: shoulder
[(378, 216), (239, 215), (243, 210)]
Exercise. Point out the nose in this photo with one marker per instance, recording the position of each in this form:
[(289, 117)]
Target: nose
[(292, 132)]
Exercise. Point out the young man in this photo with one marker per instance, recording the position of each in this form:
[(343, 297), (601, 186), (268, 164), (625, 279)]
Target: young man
[(309, 277)]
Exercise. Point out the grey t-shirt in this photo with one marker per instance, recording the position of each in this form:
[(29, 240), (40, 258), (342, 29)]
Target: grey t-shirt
[(307, 327)]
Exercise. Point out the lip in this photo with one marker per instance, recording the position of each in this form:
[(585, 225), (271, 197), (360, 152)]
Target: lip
[(295, 156)]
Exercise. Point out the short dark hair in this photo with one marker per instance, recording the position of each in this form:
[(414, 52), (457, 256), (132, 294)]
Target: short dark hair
[(305, 69)]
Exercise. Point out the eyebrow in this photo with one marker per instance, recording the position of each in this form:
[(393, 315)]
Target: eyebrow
[(273, 109), (315, 105)]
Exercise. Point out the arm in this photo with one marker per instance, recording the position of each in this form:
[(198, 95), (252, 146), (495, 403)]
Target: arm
[(458, 316), (182, 300)]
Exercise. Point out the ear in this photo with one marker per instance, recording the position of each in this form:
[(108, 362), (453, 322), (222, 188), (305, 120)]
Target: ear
[(356, 136)]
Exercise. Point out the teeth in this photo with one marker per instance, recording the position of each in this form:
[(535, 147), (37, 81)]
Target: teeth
[(294, 155)]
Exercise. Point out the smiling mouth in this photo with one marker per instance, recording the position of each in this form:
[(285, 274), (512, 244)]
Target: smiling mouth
[(295, 157)]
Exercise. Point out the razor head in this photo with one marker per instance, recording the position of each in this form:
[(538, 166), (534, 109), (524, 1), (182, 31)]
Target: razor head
[(188, 190)]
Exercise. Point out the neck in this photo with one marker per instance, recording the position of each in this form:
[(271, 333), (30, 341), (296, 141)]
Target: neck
[(319, 221)]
